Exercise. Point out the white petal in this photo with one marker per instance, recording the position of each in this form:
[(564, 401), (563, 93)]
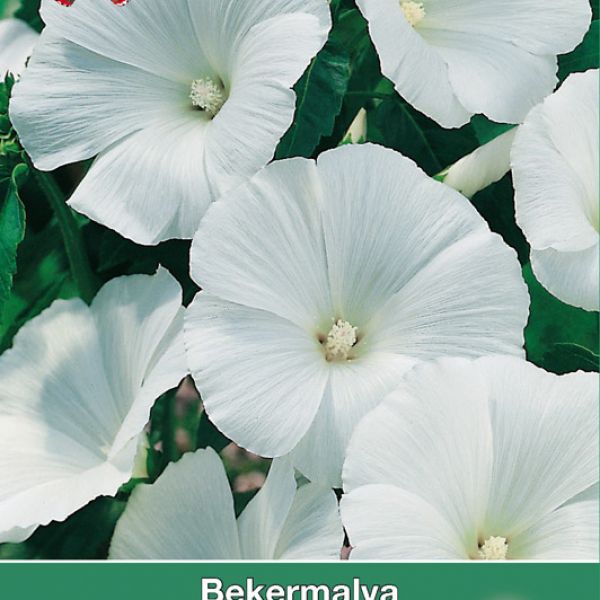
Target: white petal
[(88, 102), (432, 437), (486, 165), (457, 304), (569, 533), (419, 73), (380, 231), (313, 529), (187, 514), (545, 440), (261, 377), (354, 388), (151, 186), (570, 276), (554, 161), (494, 76), (261, 522), (386, 523), (262, 245), (17, 40), (540, 26), (76, 394), (17, 535)]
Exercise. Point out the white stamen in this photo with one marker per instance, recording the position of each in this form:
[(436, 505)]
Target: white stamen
[(413, 11), (340, 340), (207, 95), (494, 548)]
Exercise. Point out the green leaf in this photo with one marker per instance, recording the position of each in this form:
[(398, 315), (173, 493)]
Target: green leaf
[(319, 96), (12, 232), (558, 337), (208, 436), (29, 11), (486, 130), (584, 57)]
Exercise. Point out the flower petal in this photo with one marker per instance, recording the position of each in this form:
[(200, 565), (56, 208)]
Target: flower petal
[(386, 523), (432, 438), (262, 520), (354, 388), (17, 40), (545, 441), (419, 73), (88, 103), (262, 246), (261, 378), (199, 525), (313, 529), (570, 276)]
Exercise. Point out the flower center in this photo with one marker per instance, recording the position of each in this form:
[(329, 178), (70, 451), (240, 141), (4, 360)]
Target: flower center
[(340, 340), (207, 95), (413, 11), (494, 548)]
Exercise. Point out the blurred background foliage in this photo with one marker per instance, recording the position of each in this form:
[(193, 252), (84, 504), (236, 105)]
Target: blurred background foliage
[(47, 251)]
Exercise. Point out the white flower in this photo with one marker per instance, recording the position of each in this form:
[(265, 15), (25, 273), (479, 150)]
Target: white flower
[(323, 282), (181, 100), (555, 174), (486, 165), (451, 60), (487, 459), (17, 40), (188, 514), (77, 388)]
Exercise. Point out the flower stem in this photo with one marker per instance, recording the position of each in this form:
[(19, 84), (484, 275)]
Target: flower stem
[(82, 273)]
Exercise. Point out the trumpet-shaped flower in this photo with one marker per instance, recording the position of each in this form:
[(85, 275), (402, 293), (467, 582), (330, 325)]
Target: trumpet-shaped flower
[(77, 388), (454, 58), (489, 459), (181, 100), (555, 172), (280, 522), (17, 40), (323, 282)]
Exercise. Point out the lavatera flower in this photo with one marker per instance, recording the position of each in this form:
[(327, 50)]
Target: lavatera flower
[(489, 459), (451, 59), (555, 173), (77, 388), (280, 523), (325, 281), (17, 40), (181, 100)]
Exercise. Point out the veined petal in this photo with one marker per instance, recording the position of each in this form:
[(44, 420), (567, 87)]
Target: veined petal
[(554, 160), (17, 40), (386, 523), (151, 186), (486, 165), (419, 73), (88, 102), (545, 430), (313, 528), (570, 276), (186, 514), (432, 437), (261, 377), (354, 388), (262, 521), (76, 394), (262, 245)]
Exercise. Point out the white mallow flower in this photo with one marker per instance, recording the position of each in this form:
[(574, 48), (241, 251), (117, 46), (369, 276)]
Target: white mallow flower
[(181, 100), (189, 514), (454, 58), (555, 173), (323, 282), (484, 166), (489, 459), (17, 40), (77, 388)]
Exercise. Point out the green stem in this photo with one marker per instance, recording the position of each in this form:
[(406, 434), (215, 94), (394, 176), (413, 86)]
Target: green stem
[(82, 273)]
